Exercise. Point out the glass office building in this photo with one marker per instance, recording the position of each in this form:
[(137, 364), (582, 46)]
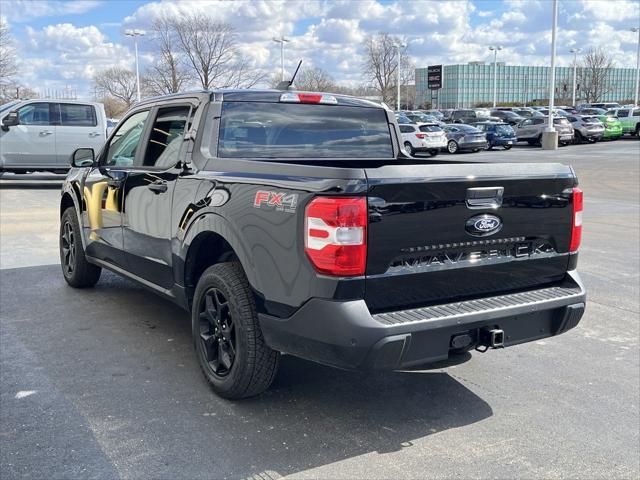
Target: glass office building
[(468, 85)]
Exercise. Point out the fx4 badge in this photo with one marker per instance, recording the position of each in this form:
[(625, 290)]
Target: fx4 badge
[(483, 225), (279, 201)]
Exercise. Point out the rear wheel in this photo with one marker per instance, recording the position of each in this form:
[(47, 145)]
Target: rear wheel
[(433, 153), (76, 270), (452, 146), (578, 138), (229, 344), (638, 130), (507, 147), (409, 148), (532, 142)]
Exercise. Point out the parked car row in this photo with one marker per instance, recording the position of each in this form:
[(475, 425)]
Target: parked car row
[(475, 129)]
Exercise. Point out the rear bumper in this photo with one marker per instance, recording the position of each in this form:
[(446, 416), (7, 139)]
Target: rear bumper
[(347, 335), (472, 145), (499, 142)]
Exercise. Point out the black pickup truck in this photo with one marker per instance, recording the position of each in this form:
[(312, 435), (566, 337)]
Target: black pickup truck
[(295, 222)]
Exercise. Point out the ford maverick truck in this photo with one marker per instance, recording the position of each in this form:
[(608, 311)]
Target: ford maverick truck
[(295, 222)]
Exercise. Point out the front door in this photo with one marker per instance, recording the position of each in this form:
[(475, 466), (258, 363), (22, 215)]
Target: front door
[(103, 191), (148, 196), (33, 142)]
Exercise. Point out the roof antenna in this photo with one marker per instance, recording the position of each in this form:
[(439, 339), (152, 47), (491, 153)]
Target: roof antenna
[(286, 84)]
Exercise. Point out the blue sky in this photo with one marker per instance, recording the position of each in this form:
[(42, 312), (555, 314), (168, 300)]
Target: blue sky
[(64, 43)]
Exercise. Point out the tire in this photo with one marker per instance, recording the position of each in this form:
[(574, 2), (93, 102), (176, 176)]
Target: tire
[(409, 148), (227, 338), (578, 138), (507, 147), (638, 130), (433, 153), (532, 142), (452, 146), (77, 271)]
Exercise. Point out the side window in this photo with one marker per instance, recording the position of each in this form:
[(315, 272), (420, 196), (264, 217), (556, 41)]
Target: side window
[(526, 123), (35, 114), (405, 129), (124, 143), (166, 137), (538, 121), (636, 112), (74, 115)]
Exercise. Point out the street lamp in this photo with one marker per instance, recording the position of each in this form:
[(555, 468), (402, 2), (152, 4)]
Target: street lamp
[(635, 95), (135, 34), (495, 72), (281, 41), (398, 47), (575, 52), (550, 136)]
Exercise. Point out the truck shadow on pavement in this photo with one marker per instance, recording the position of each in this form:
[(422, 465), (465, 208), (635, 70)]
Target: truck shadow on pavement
[(124, 357)]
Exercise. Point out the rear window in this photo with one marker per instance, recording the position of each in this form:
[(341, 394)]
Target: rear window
[(281, 130), (561, 121), (74, 115), (430, 128)]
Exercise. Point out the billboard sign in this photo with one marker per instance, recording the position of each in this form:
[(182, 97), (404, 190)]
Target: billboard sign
[(434, 77)]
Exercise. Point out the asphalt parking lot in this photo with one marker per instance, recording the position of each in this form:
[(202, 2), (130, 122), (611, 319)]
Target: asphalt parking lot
[(103, 383)]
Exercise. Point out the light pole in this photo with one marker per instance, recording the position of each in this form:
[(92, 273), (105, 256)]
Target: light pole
[(550, 136), (495, 72), (635, 94), (398, 47), (281, 41), (135, 34), (575, 52)]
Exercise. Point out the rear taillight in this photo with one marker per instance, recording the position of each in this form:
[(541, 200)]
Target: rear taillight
[(421, 135), (576, 228), (335, 235)]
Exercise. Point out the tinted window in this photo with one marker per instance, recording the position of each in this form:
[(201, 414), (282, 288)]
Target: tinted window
[(285, 130), (124, 143), (73, 115), (406, 129), (430, 128), (636, 113), (34, 114), (165, 139), (539, 121)]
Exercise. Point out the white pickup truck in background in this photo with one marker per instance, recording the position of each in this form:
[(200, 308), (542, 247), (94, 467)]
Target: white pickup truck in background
[(41, 134)]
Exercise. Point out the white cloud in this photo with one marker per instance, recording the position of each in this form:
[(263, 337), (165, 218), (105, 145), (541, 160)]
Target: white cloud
[(25, 10), (63, 54)]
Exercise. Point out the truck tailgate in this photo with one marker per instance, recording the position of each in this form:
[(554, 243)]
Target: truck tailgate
[(457, 231)]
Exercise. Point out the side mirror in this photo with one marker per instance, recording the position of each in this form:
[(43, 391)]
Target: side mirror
[(11, 120), (83, 157)]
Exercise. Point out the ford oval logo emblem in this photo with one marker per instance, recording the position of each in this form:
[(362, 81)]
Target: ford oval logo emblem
[(483, 225)]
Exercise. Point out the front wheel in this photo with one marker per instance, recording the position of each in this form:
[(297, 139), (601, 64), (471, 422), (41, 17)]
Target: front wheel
[(76, 270), (452, 146), (229, 344)]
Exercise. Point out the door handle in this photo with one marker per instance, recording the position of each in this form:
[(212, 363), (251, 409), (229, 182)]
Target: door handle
[(94, 134), (484, 197), (44, 133), (159, 186)]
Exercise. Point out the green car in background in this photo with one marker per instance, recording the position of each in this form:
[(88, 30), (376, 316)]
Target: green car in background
[(612, 125)]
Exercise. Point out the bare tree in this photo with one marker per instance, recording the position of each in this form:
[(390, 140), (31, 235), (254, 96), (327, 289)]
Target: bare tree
[(210, 52), (314, 79), (381, 63), (7, 54), (167, 74), (118, 83), (594, 75)]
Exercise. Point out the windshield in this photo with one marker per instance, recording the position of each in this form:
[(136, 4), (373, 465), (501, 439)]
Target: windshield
[(7, 106), (285, 130), (590, 120)]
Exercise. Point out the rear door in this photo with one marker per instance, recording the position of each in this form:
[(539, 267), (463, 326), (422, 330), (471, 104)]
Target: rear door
[(443, 232), (148, 194), (77, 128)]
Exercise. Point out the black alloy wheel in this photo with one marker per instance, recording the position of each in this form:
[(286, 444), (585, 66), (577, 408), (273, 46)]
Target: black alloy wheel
[(217, 333), (68, 245)]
